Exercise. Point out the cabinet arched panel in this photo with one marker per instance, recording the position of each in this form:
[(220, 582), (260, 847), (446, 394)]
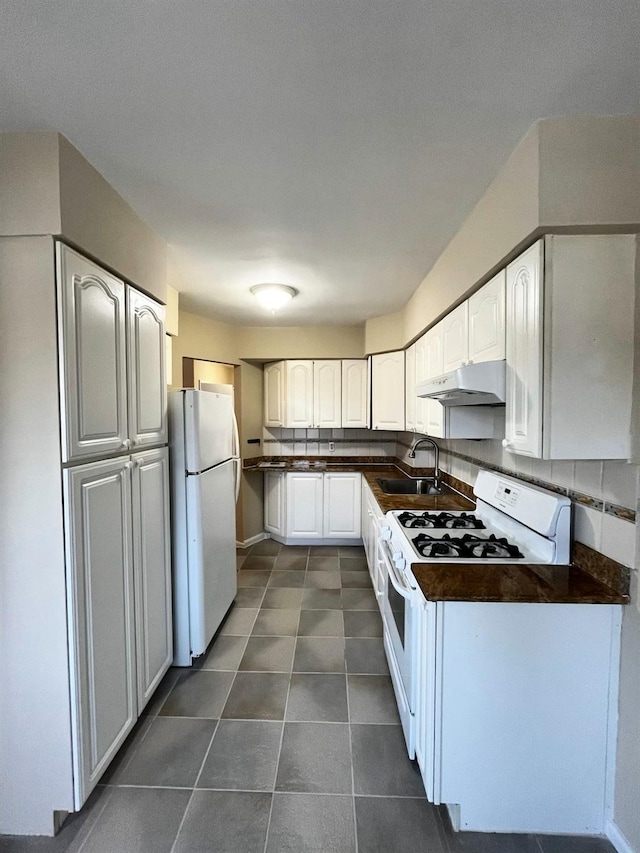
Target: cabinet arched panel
[(147, 383), (92, 345)]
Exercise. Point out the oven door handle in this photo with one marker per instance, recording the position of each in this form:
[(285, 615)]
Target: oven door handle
[(400, 587)]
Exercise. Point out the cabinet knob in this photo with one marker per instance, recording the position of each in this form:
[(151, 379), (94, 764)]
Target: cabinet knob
[(126, 442), (507, 444)]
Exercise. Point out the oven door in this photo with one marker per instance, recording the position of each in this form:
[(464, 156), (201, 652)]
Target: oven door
[(400, 640)]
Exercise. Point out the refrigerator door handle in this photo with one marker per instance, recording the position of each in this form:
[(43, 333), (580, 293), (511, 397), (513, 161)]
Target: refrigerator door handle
[(238, 467), (236, 436)]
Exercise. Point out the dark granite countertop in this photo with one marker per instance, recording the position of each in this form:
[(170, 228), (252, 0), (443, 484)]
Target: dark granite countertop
[(551, 584), (591, 579)]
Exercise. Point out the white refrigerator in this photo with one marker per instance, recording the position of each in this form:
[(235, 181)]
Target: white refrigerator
[(205, 480)]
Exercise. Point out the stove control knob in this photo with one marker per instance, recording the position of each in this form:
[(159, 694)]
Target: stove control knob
[(385, 532)]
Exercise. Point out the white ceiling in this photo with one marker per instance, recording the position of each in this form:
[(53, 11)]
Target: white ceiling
[(334, 145)]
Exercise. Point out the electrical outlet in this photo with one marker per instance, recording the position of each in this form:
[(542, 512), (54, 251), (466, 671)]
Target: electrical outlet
[(332, 446)]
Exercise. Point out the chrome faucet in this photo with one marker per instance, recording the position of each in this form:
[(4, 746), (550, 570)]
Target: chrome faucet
[(436, 456)]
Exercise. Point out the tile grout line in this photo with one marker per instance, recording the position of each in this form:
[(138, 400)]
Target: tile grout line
[(284, 722), (353, 779)]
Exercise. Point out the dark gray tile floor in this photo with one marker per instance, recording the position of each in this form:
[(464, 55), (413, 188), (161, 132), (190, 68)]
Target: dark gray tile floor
[(283, 738)]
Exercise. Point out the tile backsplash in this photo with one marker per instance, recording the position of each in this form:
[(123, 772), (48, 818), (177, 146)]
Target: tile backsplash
[(604, 493), (319, 442)]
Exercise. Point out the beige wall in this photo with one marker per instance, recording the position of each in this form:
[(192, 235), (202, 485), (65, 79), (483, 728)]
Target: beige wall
[(200, 337), (572, 174), (249, 387), (48, 187), (212, 372), (590, 171), (384, 333), (503, 219), (271, 343), (29, 184), (171, 320), (99, 221)]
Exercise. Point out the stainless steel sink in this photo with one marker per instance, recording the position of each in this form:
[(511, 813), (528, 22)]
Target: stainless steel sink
[(410, 486)]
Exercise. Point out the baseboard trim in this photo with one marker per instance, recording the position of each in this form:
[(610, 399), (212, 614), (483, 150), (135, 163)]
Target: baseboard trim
[(618, 839), (252, 540)]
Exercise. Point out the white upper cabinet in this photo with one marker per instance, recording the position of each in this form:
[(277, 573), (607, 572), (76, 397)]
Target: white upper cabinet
[(570, 309), (147, 383), (523, 417), (433, 353), (455, 338), (355, 393), (274, 394), (410, 389), (486, 321), (92, 345), (327, 394), (152, 569), (420, 376), (387, 391), (299, 393), (342, 497)]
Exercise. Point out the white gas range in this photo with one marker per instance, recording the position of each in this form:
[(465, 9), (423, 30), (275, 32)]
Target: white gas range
[(512, 522)]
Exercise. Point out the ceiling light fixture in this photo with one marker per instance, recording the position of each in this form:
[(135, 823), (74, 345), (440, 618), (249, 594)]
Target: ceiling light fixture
[(273, 296)]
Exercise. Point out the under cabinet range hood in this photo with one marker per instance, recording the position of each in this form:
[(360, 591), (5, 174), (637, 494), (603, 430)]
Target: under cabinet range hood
[(481, 384)]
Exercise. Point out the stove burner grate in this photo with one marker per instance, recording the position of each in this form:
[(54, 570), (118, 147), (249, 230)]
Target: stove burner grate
[(440, 520), (465, 547)]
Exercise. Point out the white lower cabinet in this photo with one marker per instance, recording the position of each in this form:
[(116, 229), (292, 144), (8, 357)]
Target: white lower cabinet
[(100, 599), (372, 517), (516, 710), (342, 495), (152, 569), (310, 506), (304, 505), (119, 602), (274, 505)]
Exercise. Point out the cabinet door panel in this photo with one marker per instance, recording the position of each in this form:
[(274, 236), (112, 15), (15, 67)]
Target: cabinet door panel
[(274, 502), (327, 394), (420, 376), (304, 505), (523, 417), (274, 394), (93, 382), (299, 395), (152, 570), (342, 496), (455, 338), (435, 418), (410, 389), (100, 600), (387, 391), (147, 382), (486, 321), (433, 357), (355, 393)]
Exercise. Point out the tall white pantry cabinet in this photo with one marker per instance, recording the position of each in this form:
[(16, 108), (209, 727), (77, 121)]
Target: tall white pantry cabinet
[(112, 628)]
